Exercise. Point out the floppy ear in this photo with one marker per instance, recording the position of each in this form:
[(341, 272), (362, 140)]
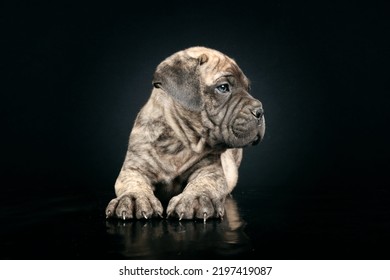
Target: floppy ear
[(178, 76)]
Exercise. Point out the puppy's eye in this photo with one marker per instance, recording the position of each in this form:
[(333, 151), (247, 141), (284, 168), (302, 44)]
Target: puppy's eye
[(224, 88)]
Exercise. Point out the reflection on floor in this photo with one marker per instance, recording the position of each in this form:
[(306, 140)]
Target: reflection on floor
[(170, 238), (259, 223)]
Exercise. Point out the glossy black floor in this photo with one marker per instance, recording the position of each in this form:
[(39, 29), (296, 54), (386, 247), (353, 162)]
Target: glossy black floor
[(258, 225)]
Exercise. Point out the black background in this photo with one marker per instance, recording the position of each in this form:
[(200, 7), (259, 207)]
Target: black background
[(75, 76)]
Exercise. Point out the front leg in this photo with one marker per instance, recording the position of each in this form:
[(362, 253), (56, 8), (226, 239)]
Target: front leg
[(203, 197), (135, 197)]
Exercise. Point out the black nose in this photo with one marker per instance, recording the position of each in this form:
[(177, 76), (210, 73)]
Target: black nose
[(258, 113)]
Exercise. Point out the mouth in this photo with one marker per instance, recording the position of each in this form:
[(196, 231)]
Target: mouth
[(261, 131), (246, 132), (257, 140)]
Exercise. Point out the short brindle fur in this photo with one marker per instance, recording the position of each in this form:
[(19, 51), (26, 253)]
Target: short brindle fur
[(186, 144)]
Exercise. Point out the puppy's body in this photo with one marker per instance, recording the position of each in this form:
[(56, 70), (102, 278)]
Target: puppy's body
[(186, 142)]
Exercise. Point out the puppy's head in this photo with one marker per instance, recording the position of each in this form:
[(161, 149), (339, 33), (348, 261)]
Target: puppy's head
[(206, 81)]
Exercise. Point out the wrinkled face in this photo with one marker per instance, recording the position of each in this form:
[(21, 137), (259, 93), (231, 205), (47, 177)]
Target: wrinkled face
[(206, 81), (234, 118)]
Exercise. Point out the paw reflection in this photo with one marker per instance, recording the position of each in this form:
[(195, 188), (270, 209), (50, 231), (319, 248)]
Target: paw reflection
[(170, 238)]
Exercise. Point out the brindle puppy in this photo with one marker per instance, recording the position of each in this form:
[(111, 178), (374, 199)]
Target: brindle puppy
[(185, 146)]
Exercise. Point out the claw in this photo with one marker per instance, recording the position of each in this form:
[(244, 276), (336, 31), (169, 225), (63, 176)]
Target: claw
[(124, 215), (204, 217), (220, 215), (108, 214), (160, 215), (181, 216), (144, 214), (168, 214)]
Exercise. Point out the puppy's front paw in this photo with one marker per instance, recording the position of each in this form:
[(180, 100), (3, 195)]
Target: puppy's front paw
[(200, 206), (134, 205)]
